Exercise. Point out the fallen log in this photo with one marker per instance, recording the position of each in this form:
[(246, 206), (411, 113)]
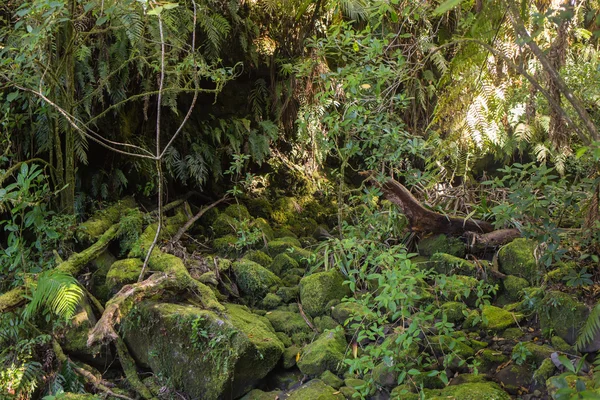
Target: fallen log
[(423, 220), (491, 241)]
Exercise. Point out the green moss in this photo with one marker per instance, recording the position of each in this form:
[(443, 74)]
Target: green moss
[(225, 225), (472, 391), (492, 358), (555, 383), (285, 339), (454, 311), (289, 356), (253, 279), (307, 241), (324, 323), (209, 278), (455, 289), (384, 375), (237, 211), (477, 345), (90, 230), (563, 315), (448, 264), (345, 310), (287, 321), (302, 226), (283, 263), (472, 320), (538, 353), (544, 372), (259, 207), (123, 272), (281, 245), (317, 290), (446, 345), (288, 294), (496, 319), (513, 285), (257, 394), (331, 379), (260, 258), (512, 334), (205, 355), (76, 396), (325, 353), (559, 344), (11, 299), (264, 227), (517, 258), (271, 301), (562, 269), (441, 244), (403, 392), (285, 233), (315, 390), (284, 210)]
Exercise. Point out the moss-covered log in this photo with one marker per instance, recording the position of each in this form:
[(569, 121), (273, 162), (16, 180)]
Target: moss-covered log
[(89, 230), (78, 260), (12, 299)]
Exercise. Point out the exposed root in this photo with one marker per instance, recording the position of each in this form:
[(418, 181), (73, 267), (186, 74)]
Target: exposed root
[(96, 382), (130, 370)]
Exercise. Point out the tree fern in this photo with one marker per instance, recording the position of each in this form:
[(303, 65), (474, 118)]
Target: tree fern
[(57, 292), (590, 329)]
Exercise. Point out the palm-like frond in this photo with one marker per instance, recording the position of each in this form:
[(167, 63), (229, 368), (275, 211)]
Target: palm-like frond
[(590, 329), (58, 292)]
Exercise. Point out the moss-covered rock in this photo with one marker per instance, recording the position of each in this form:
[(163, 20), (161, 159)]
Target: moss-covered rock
[(441, 244), (101, 266), (225, 246), (76, 396), (331, 379), (513, 286), (225, 225), (287, 321), (325, 353), (302, 226), (285, 209), (259, 257), (123, 272), (490, 359), (403, 392), (385, 375), (288, 294), (563, 315), (73, 338), (290, 355), (285, 339), (559, 344), (324, 323), (237, 211), (345, 310), (254, 280), (271, 301), (281, 245), (209, 278), (538, 352), (257, 394), (512, 334), (457, 287), (517, 258), (496, 319), (454, 311), (561, 270), (283, 263), (544, 372), (555, 383), (471, 391), (445, 345), (315, 390), (259, 207), (318, 289), (206, 355), (448, 264), (263, 225)]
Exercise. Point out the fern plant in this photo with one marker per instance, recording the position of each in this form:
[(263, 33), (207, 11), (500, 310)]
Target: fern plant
[(56, 292)]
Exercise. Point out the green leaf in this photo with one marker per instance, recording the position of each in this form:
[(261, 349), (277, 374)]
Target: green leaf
[(564, 360), (155, 11), (446, 6), (170, 6), (581, 152), (11, 96)]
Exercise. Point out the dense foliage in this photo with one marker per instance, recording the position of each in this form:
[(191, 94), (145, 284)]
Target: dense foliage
[(485, 109)]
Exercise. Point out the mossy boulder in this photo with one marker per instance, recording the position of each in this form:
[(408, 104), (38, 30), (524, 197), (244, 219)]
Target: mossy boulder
[(538, 353), (315, 389), (263, 225), (226, 246), (285, 209), (403, 392), (257, 394), (204, 354), (342, 311), (513, 286), (288, 294), (563, 315), (318, 289), (123, 272), (497, 319), (544, 372), (456, 287), (555, 383), (454, 311), (325, 353), (446, 345), (559, 344), (225, 225), (561, 270), (490, 359), (259, 207), (517, 258), (324, 323), (281, 245), (471, 391), (385, 375), (448, 264), (271, 301), (441, 244), (289, 357), (287, 321), (259, 257), (283, 263), (331, 379), (101, 266), (512, 334), (254, 280), (73, 338), (237, 211)]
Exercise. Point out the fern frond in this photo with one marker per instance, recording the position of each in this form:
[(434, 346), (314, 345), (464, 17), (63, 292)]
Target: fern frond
[(32, 372), (58, 292), (590, 329)]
